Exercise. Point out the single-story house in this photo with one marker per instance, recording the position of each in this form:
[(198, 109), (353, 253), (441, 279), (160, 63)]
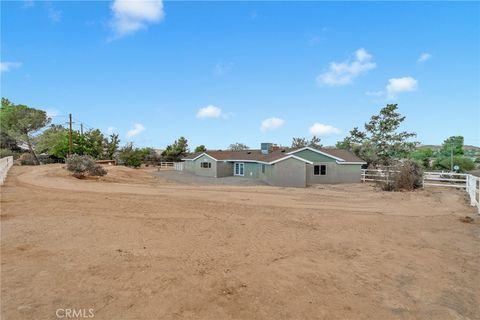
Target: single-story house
[(289, 167)]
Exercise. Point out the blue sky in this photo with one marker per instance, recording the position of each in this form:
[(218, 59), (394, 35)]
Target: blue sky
[(251, 72)]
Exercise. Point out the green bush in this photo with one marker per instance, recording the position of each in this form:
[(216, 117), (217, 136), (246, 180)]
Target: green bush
[(131, 156), (445, 163), (8, 153), (82, 166)]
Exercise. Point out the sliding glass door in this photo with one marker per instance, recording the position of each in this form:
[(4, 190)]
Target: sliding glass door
[(238, 169)]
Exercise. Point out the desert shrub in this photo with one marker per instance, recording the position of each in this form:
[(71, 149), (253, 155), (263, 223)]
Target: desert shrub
[(407, 175), (84, 165), (27, 159), (151, 157), (97, 170), (6, 153), (46, 159), (132, 159), (131, 156)]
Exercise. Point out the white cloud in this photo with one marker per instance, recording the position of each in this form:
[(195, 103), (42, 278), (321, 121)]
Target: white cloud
[(54, 14), (130, 16), (8, 66), (209, 112), (424, 57), (271, 124), (362, 55), (319, 129), (399, 85), (136, 130), (111, 130), (343, 73), (221, 68)]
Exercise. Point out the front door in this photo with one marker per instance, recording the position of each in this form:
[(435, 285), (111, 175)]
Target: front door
[(238, 169)]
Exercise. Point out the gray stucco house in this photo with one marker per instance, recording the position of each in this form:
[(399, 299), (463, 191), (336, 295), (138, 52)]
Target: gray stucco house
[(289, 167)]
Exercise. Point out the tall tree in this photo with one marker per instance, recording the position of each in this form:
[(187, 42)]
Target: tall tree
[(111, 146), (237, 146), (422, 155), (93, 143), (381, 142), (304, 142), (177, 150), (452, 154), (200, 148), (21, 123), (452, 145), (51, 140)]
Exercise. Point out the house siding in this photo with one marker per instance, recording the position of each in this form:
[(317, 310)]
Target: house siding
[(336, 173), (224, 169), (205, 172), (291, 172), (189, 166), (252, 170), (287, 173), (267, 175)]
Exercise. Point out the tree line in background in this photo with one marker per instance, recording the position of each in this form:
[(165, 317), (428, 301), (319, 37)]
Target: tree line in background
[(23, 128), (380, 143)]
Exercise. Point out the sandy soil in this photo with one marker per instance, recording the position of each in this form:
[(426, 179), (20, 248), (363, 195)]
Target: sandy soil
[(134, 246)]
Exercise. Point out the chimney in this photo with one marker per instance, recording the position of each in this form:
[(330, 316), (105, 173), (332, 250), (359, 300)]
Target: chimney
[(266, 147)]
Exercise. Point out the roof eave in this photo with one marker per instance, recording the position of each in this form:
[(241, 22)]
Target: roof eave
[(351, 162)]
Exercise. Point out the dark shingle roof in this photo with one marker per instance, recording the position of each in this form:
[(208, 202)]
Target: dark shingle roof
[(257, 155)]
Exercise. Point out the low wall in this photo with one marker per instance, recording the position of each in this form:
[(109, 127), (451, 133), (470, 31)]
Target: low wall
[(5, 165)]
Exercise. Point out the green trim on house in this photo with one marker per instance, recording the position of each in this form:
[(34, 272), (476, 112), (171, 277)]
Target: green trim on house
[(313, 156)]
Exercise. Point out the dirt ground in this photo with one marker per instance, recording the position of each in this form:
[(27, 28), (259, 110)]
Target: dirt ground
[(190, 178), (135, 246)]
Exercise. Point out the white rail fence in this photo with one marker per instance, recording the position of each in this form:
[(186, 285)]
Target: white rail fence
[(468, 182), (5, 165), (165, 165), (179, 166)]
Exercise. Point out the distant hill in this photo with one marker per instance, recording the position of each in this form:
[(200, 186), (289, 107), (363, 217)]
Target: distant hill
[(437, 147)]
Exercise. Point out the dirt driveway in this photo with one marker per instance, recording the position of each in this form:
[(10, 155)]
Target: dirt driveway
[(135, 246)]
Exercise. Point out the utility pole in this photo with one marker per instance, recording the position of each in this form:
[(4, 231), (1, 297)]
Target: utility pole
[(81, 129), (451, 157), (70, 137)]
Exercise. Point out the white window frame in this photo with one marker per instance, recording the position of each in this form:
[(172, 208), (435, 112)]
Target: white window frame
[(242, 164)]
